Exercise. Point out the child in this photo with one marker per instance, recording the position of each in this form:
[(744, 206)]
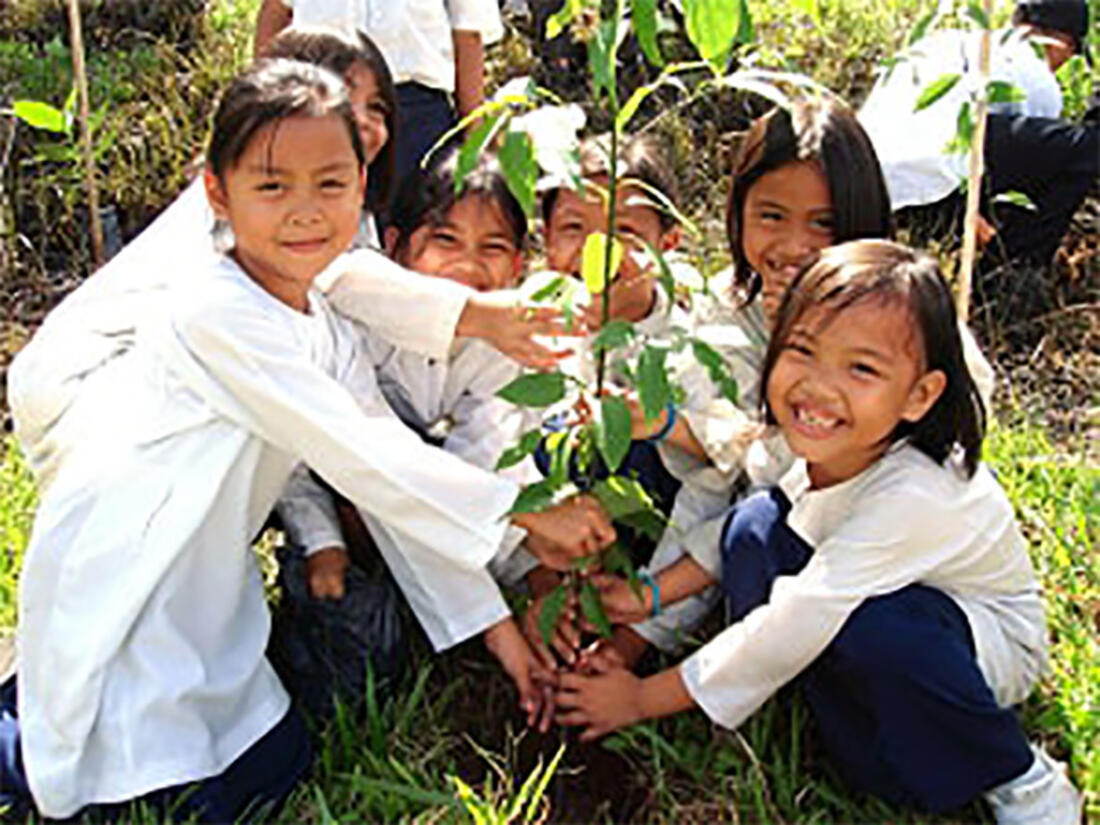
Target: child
[(435, 48), (97, 322), (142, 620), (801, 180), (885, 574), (475, 238)]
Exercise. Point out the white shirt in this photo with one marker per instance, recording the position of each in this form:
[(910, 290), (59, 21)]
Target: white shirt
[(903, 520), (97, 322), (458, 397), (413, 35), (142, 622), (910, 145)]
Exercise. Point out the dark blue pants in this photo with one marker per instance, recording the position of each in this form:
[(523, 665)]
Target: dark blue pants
[(897, 696), (253, 788), (424, 115)]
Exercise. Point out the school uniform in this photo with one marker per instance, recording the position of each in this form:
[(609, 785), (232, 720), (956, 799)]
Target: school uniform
[(904, 604), (415, 38), (453, 404), (142, 622), (1027, 147)]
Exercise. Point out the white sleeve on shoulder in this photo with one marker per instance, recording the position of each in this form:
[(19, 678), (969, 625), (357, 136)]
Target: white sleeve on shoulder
[(477, 15), (979, 367), (880, 549), (309, 514), (242, 359), (415, 312)]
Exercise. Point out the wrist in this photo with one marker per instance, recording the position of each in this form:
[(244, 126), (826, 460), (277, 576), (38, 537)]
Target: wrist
[(667, 427), (651, 593)]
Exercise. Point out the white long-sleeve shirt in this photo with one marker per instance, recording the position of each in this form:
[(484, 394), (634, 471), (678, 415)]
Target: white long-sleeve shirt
[(97, 322), (911, 145), (903, 520), (452, 603), (142, 620)]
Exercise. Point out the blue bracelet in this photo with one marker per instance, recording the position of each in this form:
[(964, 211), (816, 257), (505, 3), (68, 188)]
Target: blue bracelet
[(654, 588), (670, 422)]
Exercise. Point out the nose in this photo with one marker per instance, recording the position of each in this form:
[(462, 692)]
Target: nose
[(304, 210), (469, 269), (799, 246)]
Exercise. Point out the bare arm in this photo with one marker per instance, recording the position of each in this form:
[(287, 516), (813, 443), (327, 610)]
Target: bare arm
[(469, 71), (274, 16)]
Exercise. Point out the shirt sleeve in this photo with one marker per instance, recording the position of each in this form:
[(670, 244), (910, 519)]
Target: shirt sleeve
[(412, 311), (477, 15), (243, 360), (878, 550), (309, 514)]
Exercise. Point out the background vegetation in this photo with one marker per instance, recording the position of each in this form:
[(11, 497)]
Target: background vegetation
[(448, 746)]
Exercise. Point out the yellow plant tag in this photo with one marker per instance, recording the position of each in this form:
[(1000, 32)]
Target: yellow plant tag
[(592, 260)]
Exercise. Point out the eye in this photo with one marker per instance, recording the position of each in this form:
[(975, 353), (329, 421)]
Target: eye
[(497, 248), (770, 215), (824, 224), (798, 348), (272, 186), (865, 370), (444, 237), (334, 184)]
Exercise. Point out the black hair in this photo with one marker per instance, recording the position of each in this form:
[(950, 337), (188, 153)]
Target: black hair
[(427, 195), (1070, 17), (269, 92), (338, 50), (820, 130), (852, 272), (641, 157)]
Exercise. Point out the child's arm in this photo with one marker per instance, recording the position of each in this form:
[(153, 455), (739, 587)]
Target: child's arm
[(681, 579), (613, 698), (274, 16), (536, 684), (469, 71), (425, 314)]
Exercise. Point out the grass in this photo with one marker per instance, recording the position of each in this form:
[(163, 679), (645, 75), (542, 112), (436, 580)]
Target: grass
[(448, 746)]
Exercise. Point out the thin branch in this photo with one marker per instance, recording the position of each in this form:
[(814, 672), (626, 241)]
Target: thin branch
[(81, 76)]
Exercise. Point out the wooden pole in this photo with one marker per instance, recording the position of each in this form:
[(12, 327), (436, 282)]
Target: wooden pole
[(76, 39), (974, 177)]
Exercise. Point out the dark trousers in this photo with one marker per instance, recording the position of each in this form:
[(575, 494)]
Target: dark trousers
[(253, 788), (423, 116), (898, 698)]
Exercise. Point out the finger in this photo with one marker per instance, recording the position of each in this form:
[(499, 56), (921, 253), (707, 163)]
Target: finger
[(564, 648), (570, 682), (549, 706), (572, 718), (594, 732)]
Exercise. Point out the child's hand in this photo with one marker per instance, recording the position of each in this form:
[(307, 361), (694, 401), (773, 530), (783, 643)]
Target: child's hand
[(536, 684), (609, 699), (640, 429), (620, 602), (622, 650), (632, 294), (325, 571), (573, 529), (504, 321), (566, 639)]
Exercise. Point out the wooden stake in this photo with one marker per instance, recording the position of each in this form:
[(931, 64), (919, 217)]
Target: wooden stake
[(974, 177), (81, 77)]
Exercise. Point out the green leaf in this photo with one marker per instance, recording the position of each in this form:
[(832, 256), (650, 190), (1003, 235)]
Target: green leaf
[(534, 497), (544, 781), (964, 130), (613, 433), (40, 115), (1001, 91), (594, 264), (552, 607), (601, 57), (664, 273), (621, 496), (714, 26), (650, 523), (920, 28), (617, 560), (560, 447), (976, 13), (562, 17), (538, 389), (592, 608), (612, 335), (549, 291), (653, 386), (1016, 198), (528, 443), (716, 368), (644, 17), (935, 90), (472, 148), (521, 170)]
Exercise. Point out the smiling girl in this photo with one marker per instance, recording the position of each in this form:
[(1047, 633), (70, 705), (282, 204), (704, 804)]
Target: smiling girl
[(885, 575)]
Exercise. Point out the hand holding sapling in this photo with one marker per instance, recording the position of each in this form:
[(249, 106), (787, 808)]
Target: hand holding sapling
[(575, 528), (505, 641)]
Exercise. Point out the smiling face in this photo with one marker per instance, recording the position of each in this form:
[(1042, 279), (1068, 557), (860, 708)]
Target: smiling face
[(370, 109), (844, 381), (787, 219), (573, 218), (474, 245), (292, 200)]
